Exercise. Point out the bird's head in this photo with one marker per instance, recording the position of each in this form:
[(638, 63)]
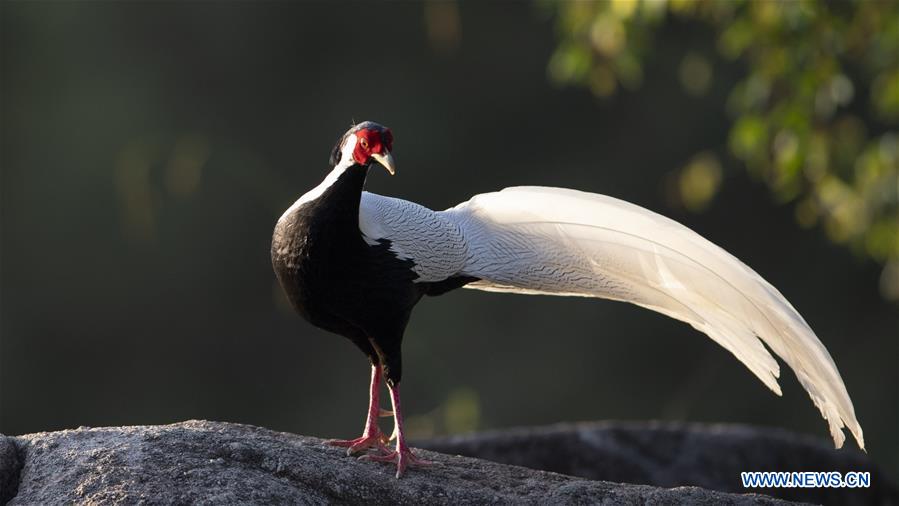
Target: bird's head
[(364, 143)]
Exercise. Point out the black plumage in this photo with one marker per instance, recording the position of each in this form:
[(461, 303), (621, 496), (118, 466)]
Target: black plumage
[(357, 288), (339, 282)]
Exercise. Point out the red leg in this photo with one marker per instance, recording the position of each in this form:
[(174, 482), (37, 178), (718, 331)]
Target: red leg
[(372, 437), (402, 456)]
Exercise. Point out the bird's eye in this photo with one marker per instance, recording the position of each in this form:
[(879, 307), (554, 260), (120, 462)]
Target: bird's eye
[(364, 142)]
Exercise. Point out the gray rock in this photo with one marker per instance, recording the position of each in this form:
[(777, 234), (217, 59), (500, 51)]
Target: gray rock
[(200, 462), (676, 454), (10, 465)]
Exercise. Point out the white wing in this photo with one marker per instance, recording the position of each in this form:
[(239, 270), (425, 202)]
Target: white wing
[(566, 242), (416, 233)]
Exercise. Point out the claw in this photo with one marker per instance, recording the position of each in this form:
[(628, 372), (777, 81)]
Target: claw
[(385, 413), (375, 441), (403, 457), (372, 437)]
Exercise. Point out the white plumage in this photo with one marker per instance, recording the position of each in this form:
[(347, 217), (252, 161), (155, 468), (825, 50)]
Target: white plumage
[(538, 240), (434, 243)]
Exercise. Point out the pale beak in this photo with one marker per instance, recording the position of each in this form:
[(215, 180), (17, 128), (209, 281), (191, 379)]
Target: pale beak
[(385, 159)]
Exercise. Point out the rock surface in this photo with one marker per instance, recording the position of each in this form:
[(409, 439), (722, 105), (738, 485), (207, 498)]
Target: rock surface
[(10, 464), (676, 454), (200, 462)]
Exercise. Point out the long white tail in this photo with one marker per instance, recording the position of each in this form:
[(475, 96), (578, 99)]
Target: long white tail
[(564, 242)]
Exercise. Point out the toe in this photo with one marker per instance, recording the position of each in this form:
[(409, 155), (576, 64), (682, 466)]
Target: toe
[(387, 457)]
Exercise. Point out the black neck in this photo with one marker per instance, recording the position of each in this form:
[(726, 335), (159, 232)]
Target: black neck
[(334, 213), (340, 201)]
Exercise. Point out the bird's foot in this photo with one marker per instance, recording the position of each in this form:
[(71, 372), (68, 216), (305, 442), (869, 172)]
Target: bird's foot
[(375, 440), (402, 456)]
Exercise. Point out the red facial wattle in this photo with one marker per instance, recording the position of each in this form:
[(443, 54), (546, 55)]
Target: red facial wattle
[(369, 141)]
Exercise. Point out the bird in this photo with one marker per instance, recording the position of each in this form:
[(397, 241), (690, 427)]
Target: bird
[(355, 264)]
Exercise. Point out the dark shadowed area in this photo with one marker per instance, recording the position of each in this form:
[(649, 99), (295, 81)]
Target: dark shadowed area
[(148, 149)]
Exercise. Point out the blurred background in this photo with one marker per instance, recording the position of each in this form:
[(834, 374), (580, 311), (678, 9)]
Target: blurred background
[(149, 148)]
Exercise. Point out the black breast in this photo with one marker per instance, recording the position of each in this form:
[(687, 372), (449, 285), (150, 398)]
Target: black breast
[(332, 277)]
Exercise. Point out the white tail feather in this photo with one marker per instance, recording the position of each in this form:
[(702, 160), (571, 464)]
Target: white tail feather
[(540, 240)]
